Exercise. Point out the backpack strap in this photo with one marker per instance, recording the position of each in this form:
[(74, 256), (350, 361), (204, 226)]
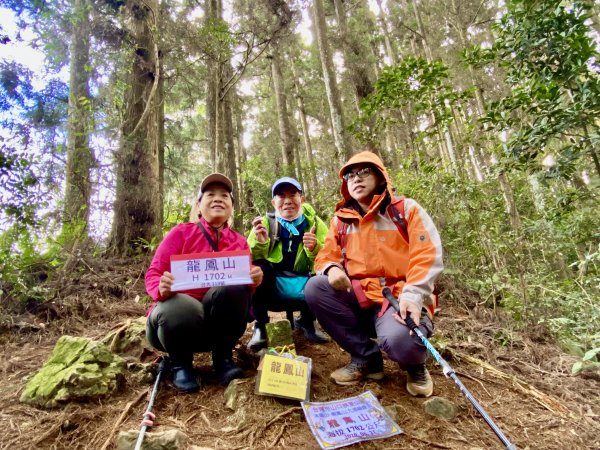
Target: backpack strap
[(214, 245), (342, 228), (396, 212), (274, 231)]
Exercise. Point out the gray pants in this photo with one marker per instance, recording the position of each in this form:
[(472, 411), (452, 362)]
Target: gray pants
[(352, 327), (183, 325)]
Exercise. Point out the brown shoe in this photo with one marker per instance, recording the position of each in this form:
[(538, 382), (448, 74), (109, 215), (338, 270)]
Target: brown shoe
[(354, 373), (418, 381)]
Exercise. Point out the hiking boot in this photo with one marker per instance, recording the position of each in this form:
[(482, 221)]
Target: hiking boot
[(184, 379), (258, 340), (226, 370), (354, 373), (311, 333), (418, 381)]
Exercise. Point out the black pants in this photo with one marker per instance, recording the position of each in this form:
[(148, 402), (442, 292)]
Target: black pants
[(265, 298), (183, 325)]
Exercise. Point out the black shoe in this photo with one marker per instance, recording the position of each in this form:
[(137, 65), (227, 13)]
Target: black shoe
[(258, 340), (311, 333), (183, 379), (226, 371)]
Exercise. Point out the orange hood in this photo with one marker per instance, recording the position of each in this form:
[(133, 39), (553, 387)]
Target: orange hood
[(360, 158)]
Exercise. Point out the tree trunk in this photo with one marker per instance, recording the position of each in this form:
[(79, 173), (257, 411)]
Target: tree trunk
[(228, 152), (212, 89), (239, 138), (138, 208), (333, 96), (356, 60), (391, 53), (285, 132), (509, 199), (421, 30), (79, 154), (310, 184)]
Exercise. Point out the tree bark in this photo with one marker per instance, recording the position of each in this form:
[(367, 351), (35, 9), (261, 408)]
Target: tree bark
[(228, 152), (333, 96), (391, 53), (421, 29), (285, 132), (138, 207), (356, 60), (212, 89), (79, 153)]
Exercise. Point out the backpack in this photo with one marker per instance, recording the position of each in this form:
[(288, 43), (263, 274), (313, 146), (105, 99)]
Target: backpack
[(397, 212)]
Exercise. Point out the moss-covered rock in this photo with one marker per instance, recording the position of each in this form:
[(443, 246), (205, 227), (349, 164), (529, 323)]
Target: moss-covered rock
[(78, 369), (279, 334), (130, 339), (153, 440)]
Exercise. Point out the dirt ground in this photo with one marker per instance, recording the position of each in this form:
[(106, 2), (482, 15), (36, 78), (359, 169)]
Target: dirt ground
[(521, 378)]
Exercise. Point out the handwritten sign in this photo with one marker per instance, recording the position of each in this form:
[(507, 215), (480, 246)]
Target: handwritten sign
[(343, 422), (206, 270), (284, 376)]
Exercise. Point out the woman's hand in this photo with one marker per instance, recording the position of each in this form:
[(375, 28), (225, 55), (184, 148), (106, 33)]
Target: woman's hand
[(164, 286), (260, 230), (338, 279), (256, 274), (408, 307), (310, 239)]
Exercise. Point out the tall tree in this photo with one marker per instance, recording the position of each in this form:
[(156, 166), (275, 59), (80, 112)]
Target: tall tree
[(356, 54), (79, 153), (284, 17), (138, 204), (338, 126), (288, 140)]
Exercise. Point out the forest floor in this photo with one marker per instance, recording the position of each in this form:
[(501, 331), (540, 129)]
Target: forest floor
[(521, 378)]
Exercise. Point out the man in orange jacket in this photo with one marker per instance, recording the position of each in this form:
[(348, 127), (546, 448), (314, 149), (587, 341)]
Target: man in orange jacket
[(364, 252)]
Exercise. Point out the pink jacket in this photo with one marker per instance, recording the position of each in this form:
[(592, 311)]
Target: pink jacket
[(183, 239)]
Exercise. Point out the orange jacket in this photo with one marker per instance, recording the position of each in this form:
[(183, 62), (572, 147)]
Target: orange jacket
[(376, 252)]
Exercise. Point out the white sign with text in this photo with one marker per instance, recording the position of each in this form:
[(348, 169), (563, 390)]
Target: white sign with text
[(206, 270)]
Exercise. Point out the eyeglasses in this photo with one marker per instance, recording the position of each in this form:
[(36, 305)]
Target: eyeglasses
[(360, 173)]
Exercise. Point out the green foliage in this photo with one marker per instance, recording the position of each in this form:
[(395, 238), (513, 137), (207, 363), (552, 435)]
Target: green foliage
[(147, 246), (176, 210), (22, 269), (550, 63), (413, 83), (590, 359), (547, 275)]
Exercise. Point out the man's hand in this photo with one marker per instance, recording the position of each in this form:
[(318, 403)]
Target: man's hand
[(338, 279), (260, 230), (164, 286), (310, 239), (405, 307), (256, 274)]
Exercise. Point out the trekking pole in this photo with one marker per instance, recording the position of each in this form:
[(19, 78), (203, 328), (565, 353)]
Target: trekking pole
[(148, 415), (448, 371)]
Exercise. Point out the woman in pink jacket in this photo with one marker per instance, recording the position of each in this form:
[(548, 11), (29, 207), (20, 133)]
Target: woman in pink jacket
[(199, 320)]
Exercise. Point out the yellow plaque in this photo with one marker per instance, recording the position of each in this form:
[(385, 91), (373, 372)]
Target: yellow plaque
[(284, 377)]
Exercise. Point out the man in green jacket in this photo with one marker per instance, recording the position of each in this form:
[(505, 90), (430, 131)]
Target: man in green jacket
[(284, 244)]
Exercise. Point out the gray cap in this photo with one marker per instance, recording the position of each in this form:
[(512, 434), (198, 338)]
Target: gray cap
[(283, 181), (215, 178)]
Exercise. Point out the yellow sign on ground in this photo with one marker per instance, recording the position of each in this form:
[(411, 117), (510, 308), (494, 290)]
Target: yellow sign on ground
[(282, 376)]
